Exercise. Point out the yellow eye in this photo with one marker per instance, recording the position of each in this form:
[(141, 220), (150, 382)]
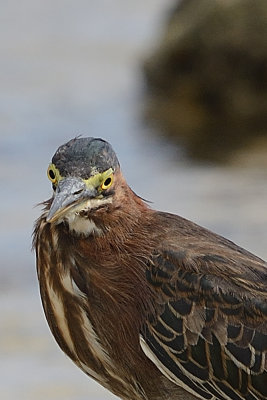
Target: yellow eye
[(107, 182), (51, 174)]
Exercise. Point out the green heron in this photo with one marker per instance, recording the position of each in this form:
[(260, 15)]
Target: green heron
[(149, 304)]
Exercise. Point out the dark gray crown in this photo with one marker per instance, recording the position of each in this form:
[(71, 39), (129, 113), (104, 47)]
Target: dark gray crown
[(85, 157)]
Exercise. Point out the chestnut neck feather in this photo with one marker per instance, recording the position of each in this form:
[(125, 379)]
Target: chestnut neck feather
[(110, 270), (113, 265)]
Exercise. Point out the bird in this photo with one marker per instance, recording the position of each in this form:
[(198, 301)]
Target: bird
[(149, 304)]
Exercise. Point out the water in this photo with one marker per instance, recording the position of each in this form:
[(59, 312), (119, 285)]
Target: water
[(71, 68)]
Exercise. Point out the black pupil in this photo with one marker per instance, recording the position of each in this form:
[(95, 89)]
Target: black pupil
[(51, 174), (107, 181)]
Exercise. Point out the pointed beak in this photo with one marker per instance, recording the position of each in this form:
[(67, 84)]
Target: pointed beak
[(70, 192)]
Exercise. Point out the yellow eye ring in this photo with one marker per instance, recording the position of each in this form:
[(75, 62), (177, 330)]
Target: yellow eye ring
[(107, 182), (51, 175)]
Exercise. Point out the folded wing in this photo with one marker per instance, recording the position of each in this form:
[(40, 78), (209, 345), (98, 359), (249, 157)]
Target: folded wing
[(209, 333)]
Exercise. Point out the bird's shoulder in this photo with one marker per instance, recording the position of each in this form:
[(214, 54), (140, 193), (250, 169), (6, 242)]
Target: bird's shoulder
[(185, 245), (191, 259)]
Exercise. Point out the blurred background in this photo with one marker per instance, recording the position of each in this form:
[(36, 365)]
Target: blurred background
[(103, 68)]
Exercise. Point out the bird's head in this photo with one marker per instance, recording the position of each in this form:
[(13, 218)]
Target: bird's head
[(86, 179)]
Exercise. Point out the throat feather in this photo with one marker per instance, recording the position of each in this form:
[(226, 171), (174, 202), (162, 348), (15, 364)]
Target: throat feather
[(82, 225)]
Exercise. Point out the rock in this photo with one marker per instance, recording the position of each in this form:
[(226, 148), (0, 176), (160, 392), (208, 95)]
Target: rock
[(207, 81)]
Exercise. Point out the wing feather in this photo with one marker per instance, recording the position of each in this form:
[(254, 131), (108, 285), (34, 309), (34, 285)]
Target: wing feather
[(210, 333)]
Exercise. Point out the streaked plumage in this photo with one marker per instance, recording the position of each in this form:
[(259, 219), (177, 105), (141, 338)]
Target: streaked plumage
[(149, 304)]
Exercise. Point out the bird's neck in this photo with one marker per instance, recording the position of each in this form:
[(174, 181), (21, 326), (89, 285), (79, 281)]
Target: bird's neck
[(105, 273)]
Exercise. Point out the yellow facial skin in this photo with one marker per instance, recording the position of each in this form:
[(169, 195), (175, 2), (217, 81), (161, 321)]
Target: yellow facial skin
[(102, 181)]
